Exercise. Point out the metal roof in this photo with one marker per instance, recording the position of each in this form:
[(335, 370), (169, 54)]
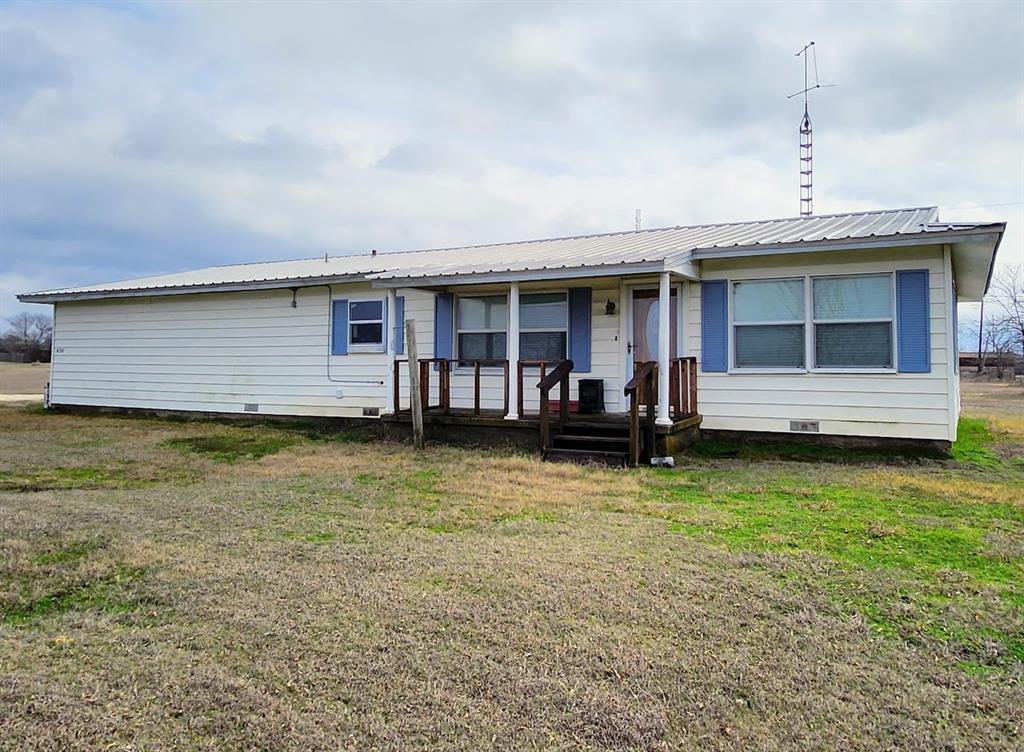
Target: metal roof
[(656, 247)]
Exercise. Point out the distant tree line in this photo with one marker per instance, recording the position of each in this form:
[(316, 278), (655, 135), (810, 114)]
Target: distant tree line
[(28, 338)]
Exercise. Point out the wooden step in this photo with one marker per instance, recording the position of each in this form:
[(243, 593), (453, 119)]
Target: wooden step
[(582, 428), (586, 456), (584, 441)]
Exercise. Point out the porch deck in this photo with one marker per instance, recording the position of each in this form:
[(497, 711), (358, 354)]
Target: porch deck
[(566, 434)]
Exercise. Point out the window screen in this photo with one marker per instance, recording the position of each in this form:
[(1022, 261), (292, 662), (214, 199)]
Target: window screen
[(768, 323), (853, 321)]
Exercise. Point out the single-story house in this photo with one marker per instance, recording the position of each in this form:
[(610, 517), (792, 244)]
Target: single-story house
[(838, 325)]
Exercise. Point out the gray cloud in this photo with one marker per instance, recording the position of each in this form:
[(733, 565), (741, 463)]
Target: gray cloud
[(27, 66)]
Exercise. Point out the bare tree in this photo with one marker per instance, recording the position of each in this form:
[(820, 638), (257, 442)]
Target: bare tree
[(28, 336), (1007, 300)]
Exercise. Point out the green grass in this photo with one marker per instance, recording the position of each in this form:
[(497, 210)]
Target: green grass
[(229, 448), (57, 478), (109, 594), (933, 546), (973, 444)]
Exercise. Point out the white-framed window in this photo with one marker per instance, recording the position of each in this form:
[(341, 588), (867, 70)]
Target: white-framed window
[(544, 325), (366, 325), (769, 324), (853, 318), (481, 328)]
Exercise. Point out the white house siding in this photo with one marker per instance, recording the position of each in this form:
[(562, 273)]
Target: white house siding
[(901, 405), (217, 352)]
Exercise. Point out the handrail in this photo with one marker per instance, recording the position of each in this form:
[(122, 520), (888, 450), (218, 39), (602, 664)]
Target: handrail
[(558, 376), (560, 372), (645, 379), (641, 372)]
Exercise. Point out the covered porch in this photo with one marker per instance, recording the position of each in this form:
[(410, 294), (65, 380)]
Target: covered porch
[(622, 403)]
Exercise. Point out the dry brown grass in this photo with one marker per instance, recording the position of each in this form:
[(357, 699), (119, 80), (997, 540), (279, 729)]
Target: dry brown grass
[(361, 596), (23, 378)]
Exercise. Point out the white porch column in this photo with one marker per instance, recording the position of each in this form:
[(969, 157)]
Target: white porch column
[(513, 352), (390, 338), (664, 348)]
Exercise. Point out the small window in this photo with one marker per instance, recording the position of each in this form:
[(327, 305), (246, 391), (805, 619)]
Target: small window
[(853, 321), (543, 326), (366, 325), (768, 323), (482, 328)]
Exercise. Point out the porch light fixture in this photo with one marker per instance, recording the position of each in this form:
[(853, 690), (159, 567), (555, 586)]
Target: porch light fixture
[(609, 307)]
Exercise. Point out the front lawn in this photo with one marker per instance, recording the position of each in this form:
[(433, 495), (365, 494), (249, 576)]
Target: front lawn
[(186, 585)]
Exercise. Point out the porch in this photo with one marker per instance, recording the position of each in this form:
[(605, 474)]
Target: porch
[(561, 427)]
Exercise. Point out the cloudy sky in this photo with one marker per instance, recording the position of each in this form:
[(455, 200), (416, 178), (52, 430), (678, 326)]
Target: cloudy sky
[(154, 137)]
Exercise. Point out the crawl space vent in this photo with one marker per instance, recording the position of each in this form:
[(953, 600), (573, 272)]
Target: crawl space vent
[(371, 412), (805, 426), (252, 407)]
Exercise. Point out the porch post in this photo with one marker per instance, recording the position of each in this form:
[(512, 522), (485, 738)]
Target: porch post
[(390, 336), (664, 348), (513, 351)]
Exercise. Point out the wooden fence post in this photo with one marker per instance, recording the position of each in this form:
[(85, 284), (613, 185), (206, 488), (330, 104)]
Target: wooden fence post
[(415, 398)]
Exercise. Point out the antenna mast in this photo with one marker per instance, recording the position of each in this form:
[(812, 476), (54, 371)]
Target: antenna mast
[(807, 134)]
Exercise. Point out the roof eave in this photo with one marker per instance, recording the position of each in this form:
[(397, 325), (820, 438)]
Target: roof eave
[(520, 275), (881, 241), (145, 292)]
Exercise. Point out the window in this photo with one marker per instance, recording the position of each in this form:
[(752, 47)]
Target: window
[(768, 323), (543, 326), (366, 325), (482, 328), (853, 321)]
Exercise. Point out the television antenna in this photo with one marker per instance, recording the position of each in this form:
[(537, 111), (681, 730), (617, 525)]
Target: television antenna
[(806, 132)]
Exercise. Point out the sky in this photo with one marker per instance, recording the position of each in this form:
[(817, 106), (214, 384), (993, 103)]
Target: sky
[(144, 138)]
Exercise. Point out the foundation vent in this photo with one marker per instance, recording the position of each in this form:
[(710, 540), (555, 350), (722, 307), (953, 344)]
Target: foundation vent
[(804, 426), (371, 412), (252, 407)]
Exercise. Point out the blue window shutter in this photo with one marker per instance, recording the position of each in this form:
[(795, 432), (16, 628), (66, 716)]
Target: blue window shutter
[(912, 321), (339, 330), (714, 326), (400, 325), (579, 327), (443, 309)]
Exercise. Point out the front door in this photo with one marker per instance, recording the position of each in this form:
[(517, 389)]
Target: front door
[(643, 344)]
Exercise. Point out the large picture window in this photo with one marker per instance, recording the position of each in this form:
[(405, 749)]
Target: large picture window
[(543, 326), (768, 323), (366, 325), (482, 328), (853, 321)]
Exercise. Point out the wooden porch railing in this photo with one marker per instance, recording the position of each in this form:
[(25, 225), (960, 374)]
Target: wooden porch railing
[(644, 384), (542, 365), (476, 382), (444, 371), (682, 387), (559, 376)]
